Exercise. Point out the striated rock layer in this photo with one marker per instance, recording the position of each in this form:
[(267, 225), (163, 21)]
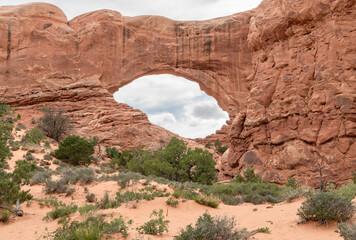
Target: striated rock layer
[(285, 72)]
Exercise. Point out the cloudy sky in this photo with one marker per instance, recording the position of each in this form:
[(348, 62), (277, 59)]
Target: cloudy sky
[(171, 102)]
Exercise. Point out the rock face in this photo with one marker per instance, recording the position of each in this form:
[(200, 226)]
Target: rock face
[(285, 72)]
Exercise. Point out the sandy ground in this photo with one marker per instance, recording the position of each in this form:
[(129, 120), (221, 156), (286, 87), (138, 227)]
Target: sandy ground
[(281, 218)]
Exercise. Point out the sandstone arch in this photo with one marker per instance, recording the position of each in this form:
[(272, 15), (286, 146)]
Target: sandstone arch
[(197, 51)]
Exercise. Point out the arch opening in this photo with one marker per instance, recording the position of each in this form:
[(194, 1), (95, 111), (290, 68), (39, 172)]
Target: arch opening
[(174, 103)]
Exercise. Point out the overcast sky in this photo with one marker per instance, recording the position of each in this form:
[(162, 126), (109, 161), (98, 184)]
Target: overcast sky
[(171, 102)]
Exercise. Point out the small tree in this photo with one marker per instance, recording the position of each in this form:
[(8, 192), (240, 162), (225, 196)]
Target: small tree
[(75, 150), (10, 189), (54, 124), (6, 128)]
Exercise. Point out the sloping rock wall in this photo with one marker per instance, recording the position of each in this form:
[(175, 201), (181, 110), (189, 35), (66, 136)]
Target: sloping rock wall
[(285, 72)]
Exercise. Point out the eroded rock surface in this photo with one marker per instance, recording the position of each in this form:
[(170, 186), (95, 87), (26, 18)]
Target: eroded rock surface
[(285, 72)]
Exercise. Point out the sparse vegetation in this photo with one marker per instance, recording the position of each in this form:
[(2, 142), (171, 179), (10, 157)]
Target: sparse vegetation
[(87, 209), (83, 175), (20, 126), (143, 194), (5, 216), (155, 226), (347, 190), (212, 228), (40, 177), (106, 202), (54, 124), (47, 157), (59, 186), (23, 172), (90, 197), (125, 178), (353, 173), (172, 202), (93, 228), (221, 149), (60, 210), (324, 207), (292, 182), (210, 201), (34, 136), (347, 231)]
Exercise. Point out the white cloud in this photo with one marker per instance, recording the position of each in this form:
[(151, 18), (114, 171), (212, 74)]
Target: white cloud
[(175, 9), (175, 104), (164, 119), (150, 92)]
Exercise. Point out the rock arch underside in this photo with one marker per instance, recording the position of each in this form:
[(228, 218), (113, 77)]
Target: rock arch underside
[(284, 71)]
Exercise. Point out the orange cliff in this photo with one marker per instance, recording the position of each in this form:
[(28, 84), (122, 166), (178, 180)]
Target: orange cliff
[(285, 72)]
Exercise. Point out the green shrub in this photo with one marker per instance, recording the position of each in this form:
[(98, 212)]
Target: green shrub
[(112, 152), (82, 175), (20, 126), (87, 209), (5, 216), (347, 190), (29, 157), (219, 147), (145, 193), (185, 194), (208, 145), (264, 230), (292, 182), (354, 176), (250, 175), (56, 161), (210, 201), (212, 228), (75, 150), (222, 149), (35, 136), (155, 226), (23, 172), (90, 197), (59, 186), (40, 177), (254, 192), (15, 145), (106, 202), (54, 124), (93, 228), (347, 231), (124, 179), (47, 157), (325, 207), (230, 200), (172, 202), (289, 193), (61, 210), (217, 143)]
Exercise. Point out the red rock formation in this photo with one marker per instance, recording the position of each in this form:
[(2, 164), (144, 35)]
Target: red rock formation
[(285, 72)]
